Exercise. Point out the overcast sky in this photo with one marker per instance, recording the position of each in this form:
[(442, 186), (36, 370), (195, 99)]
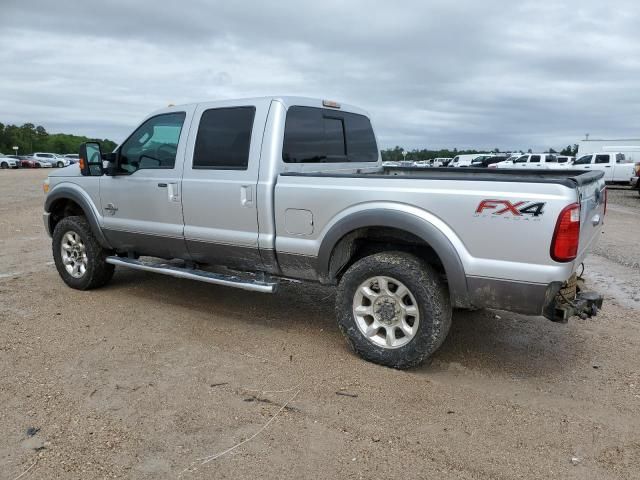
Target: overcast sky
[(462, 73)]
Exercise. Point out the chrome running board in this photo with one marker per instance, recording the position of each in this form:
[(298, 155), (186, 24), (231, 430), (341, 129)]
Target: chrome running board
[(253, 285)]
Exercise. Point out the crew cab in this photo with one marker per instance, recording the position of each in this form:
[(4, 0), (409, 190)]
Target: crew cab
[(246, 193), (615, 166), (540, 161)]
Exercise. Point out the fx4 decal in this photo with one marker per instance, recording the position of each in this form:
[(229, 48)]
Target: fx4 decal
[(507, 209)]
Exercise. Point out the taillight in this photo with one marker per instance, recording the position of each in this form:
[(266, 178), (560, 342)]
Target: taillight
[(564, 245), (605, 200)]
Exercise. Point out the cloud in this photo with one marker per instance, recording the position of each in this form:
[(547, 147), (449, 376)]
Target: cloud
[(435, 74)]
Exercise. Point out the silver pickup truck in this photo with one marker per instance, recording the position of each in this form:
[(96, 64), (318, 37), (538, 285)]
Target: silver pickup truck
[(245, 193)]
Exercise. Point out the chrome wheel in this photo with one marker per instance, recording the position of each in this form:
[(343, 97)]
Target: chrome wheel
[(74, 254), (386, 312)]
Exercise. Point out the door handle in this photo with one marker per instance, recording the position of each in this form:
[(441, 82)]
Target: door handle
[(246, 195), (111, 208), (162, 185), (607, 166), (173, 191)]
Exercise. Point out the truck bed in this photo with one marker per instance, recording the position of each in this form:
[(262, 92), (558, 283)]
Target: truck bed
[(567, 178)]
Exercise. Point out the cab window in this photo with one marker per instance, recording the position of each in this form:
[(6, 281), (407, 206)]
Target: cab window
[(584, 160), (314, 135), (535, 159), (153, 145), (602, 159), (522, 159)]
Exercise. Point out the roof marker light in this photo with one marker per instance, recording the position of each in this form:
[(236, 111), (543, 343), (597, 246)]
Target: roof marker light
[(330, 104)]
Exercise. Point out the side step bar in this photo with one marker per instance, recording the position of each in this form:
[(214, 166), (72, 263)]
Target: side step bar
[(199, 275)]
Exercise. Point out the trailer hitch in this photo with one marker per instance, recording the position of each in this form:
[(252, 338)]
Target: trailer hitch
[(585, 305)]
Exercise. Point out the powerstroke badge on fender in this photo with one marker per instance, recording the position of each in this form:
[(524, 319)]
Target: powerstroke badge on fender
[(521, 210)]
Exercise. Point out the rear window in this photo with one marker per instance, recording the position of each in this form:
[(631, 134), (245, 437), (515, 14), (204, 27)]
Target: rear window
[(323, 135), (224, 138)]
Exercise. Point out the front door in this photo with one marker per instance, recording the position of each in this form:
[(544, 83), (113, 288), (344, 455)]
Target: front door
[(142, 204), (219, 184)]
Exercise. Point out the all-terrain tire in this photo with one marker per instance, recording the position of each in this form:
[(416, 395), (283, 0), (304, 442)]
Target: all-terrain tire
[(98, 271), (432, 299)]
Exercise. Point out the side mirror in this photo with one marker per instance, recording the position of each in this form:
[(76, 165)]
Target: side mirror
[(91, 159)]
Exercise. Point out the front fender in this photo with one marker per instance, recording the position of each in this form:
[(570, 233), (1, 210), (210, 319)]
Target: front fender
[(68, 191)]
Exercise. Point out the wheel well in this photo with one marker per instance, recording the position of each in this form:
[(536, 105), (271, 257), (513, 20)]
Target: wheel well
[(369, 240), (62, 208)]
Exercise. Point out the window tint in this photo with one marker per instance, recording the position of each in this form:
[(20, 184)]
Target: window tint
[(620, 158), (153, 145), (535, 159), (602, 158), (224, 138), (584, 160), (323, 135), (551, 158), (522, 159)]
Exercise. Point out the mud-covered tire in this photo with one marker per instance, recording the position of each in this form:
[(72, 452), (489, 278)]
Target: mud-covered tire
[(424, 284), (98, 272)]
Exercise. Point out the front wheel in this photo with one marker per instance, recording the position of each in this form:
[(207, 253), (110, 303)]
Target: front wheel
[(4, 165), (394, 309), (79, 257), (60, 165)]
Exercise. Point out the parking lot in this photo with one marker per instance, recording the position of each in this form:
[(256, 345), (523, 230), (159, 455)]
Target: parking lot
[(150, 375)]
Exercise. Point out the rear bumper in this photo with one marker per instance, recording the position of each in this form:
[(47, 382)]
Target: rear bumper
[(520, 297), (534, 298)]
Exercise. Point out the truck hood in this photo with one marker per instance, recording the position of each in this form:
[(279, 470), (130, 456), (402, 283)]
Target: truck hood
[(70, 171)]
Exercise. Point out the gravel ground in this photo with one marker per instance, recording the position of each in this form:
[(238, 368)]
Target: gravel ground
[(148, 376)]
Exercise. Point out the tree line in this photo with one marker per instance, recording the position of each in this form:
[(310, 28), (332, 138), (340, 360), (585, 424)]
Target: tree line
[(30, 138), (395, 154)]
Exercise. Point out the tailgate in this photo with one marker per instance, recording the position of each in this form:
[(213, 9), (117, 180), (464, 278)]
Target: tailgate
[(592, 195)]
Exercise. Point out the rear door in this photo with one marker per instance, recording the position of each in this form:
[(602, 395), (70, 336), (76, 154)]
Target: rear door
[(602, 162), (583, 162), (535, 162), (220, 180)]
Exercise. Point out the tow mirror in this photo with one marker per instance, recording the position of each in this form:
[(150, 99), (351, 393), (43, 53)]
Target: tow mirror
[(90, 159)]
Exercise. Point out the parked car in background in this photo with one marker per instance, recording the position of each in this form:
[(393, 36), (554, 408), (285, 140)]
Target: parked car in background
[(422, 164), (544, 161), (566, 159), (15, 157), (72, 157), (634, 181), (8, 162), (616, 168), (485, 161), (53, 159), (465, 160), (441, 161)]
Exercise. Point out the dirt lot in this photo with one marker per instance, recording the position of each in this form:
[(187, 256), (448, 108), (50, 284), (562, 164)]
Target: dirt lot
[(145, 377)]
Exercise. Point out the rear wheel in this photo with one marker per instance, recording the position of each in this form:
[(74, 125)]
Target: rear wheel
[(79, 257), (393, 309)]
